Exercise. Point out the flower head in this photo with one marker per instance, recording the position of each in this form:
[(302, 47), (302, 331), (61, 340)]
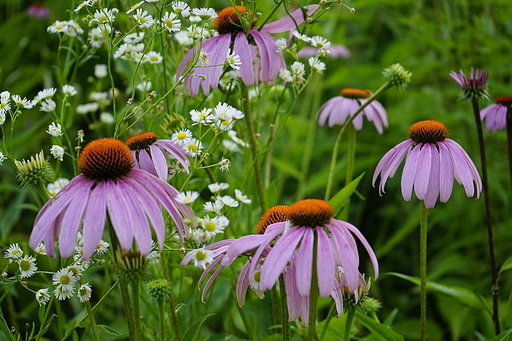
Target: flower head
[(14, 251), (42, 296), (432, 161), (258, 61), (84, 292), (397, 75), (495, 115), (338, 109), (474, 86), (108, 182), (151, 154), (27, 265), (35, 171)]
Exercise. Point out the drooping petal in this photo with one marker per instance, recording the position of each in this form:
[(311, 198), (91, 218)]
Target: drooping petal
[(325, 264), (146, 163), (389, 163), (176, 151), (120, 217), (290, 23), (434, 180), (366, 245), (243, 283), (94, 219), (279, 256), (242, 49), (305, 262), (423, 171), (159, 162), (445, 173), (326, 109), (409, 172), (271, 60), (243, 245), (347, 249), (465, 170), (71, 222)]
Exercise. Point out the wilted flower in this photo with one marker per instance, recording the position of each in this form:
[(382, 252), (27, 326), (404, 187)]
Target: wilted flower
[(495, 115), (474, 86)]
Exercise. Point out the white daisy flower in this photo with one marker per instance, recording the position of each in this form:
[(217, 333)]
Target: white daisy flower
[(281, 44), (285, 75), (64, 278), (143, 18), (100, 70), (301, 36), (2, 121), (45, 94), (152, 57), (171, 23), (14, 251), (104, 16), (57, 152), (54, 129), (215, 225), (298, 69), (27, 266), (200, 236), (225, 164), (228, 201), (87, 108), (58, 27), (202, 259), (69, 90), (233, 60), (55, 187), (205, 13), (180, 7), (316, 65), (22, 102), (43, 296), (134, 38), (63, 293), (236, 139), (230, 146), (188, 197), (40, 249), (48, 105), (107, 118), (216, 187), (202, 117), (134, 7), (320, 43), (242, 197), (144, 86), (183, 38), (181, 136), (84, 292), (193, 147), (214, 207), (102, 247), (198, 32)]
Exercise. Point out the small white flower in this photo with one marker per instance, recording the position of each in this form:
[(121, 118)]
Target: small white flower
[(285, 75), (14, 251), (62, 292), (102, 247), (205, 13), (57, 152), (242, 197), (281, 44), (225, 164), (301, 36), (233, 60), (69, 90), (236, 139), (134, 38), (214, 207), (143, 18), (316, 65), (27, 266), (45, 94), (83, 4), (320, 43), (216, 187), (86, 108), (100, 70), (107, 118), (202, 117), (48, 105), (22, 102), (43, 296), (84, 292), (171, 23), (198, 32), (40, 249), (230, 146), (202, 259), (214, 226), (80, 136), (64, 278), (200, 236), (152, 57), (298, 69), (228, 201), (203, 57), (2, 121), (144, 86), (55, 129), (58, 27), (134, 7), (180, 6), (104, 16), (193, 147), (183, 38), (181, 136), (188, 197), (4, 96)]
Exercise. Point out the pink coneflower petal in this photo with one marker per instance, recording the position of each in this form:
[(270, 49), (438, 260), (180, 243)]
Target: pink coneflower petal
[(120, 217), (159, 161), (145, 162), (409, 174), (280, 255), (242, 48), (176, 151), (243, 245), (71, 221), (422, 176), (243, 284), (94, 220), (465, 169), (445, 173), (287, 23), (345, 244), (269, 62), (325, 264), (366, 245), (305, 262), (434, 180)]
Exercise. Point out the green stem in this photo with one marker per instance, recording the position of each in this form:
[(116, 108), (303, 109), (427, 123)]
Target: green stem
[(423, 271), (328, 321), (313, 294), (94, 327), (252, 144), (488, 216), (509, 141), (127, 307), (161, 319), (334, 156), (351, 154), (285, 325), (172, 306), (135, 284), (351, 311)]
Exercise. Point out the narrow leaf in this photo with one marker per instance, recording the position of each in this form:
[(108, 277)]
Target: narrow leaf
[(194, 330), (381, 331), (338, 201)]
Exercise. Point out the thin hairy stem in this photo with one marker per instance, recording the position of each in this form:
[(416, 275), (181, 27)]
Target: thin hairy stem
[(423, 271)]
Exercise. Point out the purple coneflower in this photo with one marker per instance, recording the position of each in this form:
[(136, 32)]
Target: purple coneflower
[(259, 59), (338, 109), (151, 154), (474, 86), (495, 115), (38, 10), (432, 161), (108, 182)]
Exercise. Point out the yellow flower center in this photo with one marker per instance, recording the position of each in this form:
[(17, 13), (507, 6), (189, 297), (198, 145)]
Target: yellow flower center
[(428, 132), (310, 212), (355, 93)]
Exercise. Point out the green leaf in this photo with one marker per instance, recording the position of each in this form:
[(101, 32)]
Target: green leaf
[(505, 336), (462, 295), (381, 331), (338, 201), (271, 194), (194, 330), (507, 265), (287, 168), (5, 328), (111, 331)]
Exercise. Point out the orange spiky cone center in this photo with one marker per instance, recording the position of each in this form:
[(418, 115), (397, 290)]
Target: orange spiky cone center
[(429, 131), (310, 212), (105, 159)]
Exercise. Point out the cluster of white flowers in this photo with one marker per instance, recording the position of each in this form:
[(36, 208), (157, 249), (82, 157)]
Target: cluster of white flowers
[(223, 116), (191, 145), (69, 28)]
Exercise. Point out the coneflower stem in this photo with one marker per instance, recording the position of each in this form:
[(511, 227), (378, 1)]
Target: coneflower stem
[(328, 321), (334, 156), (423, 271), (127, 307), (172, 306), (92, 320), (487, 200), (351, 154), (161, 320), (509, 141), (285, 325), (135, 284), (252, 144), (313, 293), (351, 311)]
